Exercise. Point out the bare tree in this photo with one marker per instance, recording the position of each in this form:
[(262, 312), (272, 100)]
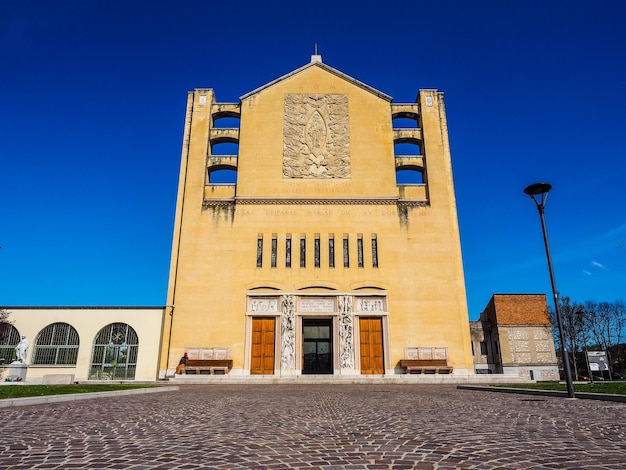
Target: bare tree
[(4, 321), (603, 322), (573, 321), (606, 322), (5, 331)]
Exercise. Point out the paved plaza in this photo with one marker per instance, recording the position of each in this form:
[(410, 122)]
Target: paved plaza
[(316, 427)]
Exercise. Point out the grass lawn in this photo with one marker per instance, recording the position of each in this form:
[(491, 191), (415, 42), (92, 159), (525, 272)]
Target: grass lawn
[(21, 391), (614, 388)]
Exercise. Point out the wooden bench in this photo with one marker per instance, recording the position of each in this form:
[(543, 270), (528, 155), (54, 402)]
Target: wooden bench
[(426, 366), (207, 366), (426, 361)]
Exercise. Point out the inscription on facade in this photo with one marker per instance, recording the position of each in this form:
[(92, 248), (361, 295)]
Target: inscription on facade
[(316, 138), (315, 305)]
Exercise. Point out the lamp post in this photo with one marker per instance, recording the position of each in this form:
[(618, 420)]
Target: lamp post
[(541, 190)]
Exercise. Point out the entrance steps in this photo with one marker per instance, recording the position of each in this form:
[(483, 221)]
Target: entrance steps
[(413, 379)]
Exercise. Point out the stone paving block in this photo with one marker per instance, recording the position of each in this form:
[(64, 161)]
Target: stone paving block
[(232, 427)]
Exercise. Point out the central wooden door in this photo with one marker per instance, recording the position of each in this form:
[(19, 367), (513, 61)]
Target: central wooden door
[(371, 342), (262, 360)]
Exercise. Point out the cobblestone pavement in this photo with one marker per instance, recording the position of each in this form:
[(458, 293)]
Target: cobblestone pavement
[(316, 427)]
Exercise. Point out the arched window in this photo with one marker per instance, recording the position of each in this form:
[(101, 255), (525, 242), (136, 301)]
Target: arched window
[(404, 123), (223, 176), (114, 354), (9, 337), (226, 122), (409, 176), (224, 148), (56, 344), (412, 147)]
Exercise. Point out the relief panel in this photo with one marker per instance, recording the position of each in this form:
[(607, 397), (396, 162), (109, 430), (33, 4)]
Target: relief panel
[(316, 138), (346, 332), (371, 304), (288, 333), (263, 305)]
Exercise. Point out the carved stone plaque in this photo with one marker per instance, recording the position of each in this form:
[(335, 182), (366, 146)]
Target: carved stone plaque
[(317, 304), (316, 137)]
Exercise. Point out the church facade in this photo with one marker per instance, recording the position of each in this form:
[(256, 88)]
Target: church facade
[(320, 256)]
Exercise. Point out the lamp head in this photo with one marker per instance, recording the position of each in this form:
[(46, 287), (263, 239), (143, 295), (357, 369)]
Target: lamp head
[(537, 188)]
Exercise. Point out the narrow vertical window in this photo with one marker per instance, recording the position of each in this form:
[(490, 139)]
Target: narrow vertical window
[(316, 248), (302, 252), (346, 253), (374, 251), (359, 250), (288, 252), (274, 250), (331, 251), (259, 251)]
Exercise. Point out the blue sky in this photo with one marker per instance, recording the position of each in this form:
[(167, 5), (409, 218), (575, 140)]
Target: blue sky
[(92, 103)]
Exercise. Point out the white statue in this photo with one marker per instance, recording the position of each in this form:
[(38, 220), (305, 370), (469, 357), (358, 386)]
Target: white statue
[(21, 350)]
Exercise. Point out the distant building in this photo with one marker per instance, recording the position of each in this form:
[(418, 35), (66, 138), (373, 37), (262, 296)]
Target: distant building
[(514, 336)]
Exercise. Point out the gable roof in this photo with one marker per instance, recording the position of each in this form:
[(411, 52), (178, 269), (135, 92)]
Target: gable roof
[(320, 64)]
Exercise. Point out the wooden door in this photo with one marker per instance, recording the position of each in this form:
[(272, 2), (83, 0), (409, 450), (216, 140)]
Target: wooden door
[(371, 341), (262, 360)]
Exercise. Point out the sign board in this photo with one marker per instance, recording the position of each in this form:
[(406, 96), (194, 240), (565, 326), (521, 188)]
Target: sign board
[(598, 362)]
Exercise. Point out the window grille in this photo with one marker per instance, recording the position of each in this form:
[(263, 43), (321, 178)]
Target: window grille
[(114, 355), (259, 252), (359, 251), (331, 252), (302, 252), (374, 252), (346, 254), (317, 251), (274, 249), (56, 344), (9, 338), (288, 253)]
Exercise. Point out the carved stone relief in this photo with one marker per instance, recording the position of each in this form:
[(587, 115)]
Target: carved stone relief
[(370, 305), (346, 332), (316, 137), (263, 305), (288, 330)]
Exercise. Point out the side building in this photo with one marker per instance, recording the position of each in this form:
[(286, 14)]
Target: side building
[(67, 344), (318, 257), (514, 336)]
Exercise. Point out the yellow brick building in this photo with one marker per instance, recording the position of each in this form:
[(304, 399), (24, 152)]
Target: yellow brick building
[(316, 260)]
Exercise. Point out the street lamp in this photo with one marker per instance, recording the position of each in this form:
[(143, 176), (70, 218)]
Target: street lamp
[(541, 190)]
